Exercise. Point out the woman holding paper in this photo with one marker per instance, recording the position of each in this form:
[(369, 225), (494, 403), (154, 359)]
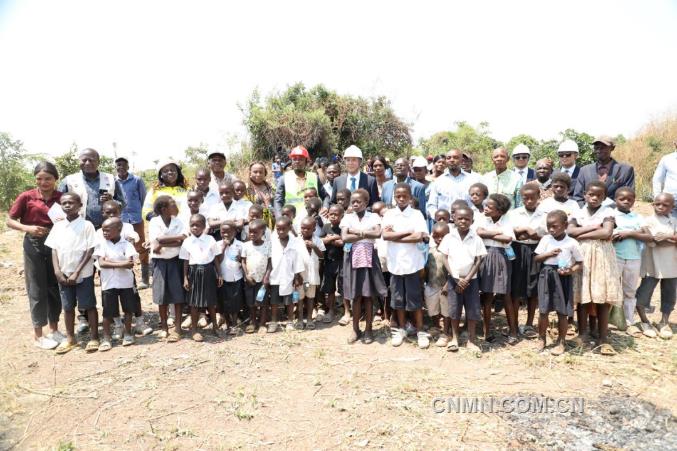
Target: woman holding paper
[(31, 213)]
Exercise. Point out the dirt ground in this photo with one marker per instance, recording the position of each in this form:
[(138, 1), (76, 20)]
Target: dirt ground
[(310, 390)]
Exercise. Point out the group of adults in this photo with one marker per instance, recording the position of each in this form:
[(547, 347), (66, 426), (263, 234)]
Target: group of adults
[(436, 183)]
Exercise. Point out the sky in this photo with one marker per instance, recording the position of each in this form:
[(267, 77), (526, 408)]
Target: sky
[(155, 77)]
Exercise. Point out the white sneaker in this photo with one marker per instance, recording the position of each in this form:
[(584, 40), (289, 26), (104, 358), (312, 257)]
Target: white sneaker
[(83, 326), (397, 337), (410, 329), (202, 322), (45, 343), (117, 332), (320, 316), (142, 328), (128, 340), (289, 327), (423, 340), (57, 336), (187, 322)]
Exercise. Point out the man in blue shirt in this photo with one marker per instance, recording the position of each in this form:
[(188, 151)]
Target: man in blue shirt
[(135, 193)]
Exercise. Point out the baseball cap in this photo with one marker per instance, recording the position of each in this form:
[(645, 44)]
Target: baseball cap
[(216, 152), (121, 158), (605, 139), (419, 162)]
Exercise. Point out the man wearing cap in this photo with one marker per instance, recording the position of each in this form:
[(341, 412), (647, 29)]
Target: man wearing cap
[(420, 170), (450, 186), (520, 158), (292, 184), (607, 170), (354, 178), (216, 161), (665, 177), (402, 176), (135, 193), (567, 153), (466, 165), (501, 180)]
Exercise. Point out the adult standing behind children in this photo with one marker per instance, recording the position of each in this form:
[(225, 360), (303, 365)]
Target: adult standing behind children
[(450, 186), (216, 161), (402, 176), (292, 184), (606, 170), (520, 158), (665, 177), (135, 194), (170, 182), (29, 214), (353, 179), (260, 192), (501, 180), (567, 152)]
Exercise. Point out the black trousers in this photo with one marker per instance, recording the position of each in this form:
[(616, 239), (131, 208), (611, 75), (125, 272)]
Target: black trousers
[(41, 284)]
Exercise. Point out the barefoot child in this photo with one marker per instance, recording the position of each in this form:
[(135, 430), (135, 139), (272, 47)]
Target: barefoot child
[(115, 256), (593, 227), (560, 257), (659, 264), (403, 228), (72, 241), (286, 270), (529, 227), (231, 291), (312, 249), (256, 255), (362, 276), (464, 251), (166, 234), (436, 301), (496, 269), (201, 273), (333, 262)]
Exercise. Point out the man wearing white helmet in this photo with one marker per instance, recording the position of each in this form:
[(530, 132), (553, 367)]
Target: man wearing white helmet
[(354, 178), (520, 158), (568, 153)]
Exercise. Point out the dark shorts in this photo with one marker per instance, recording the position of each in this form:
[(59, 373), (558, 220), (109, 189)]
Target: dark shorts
[(114, 298), (250, 292), (230, 296), (332, 272), (469, 299), (406, 292), (81, 295), (276, 299)]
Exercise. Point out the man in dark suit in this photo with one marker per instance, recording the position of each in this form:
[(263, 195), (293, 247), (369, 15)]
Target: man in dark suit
[(568, 153), (520, 158), (614, 174), (354, 178), (401, 172)]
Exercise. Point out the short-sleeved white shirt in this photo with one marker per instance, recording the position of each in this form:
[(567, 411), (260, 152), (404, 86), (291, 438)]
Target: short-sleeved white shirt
[(461, 253), (311, 261), (352, 221), (569, 246), (158, 229), (659, 261), (257, 258), (404, 258), (117, 252), (231, 265), (503, 225), (520, 217), (584, 218), (570, 206), (70, 240), (219, 212), (184, 217), (286, 262), (126, 232), (199, 251)]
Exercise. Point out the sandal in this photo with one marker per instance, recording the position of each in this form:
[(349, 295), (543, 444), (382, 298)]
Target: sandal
[(512, 341), (648, 330), (310, 325), (530, 333), (490, 339), (173, 337), (105, 345), (452, 347), (557, 350), (272, 327), (633, 331), (607, 349), (163, 334), (65, 347), (197, 336), (345, 320), (92, 346), (368, 337), (665, 332), (250, 329)]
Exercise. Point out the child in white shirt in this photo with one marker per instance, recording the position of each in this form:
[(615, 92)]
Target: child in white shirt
[(312, 249), (231, 292)]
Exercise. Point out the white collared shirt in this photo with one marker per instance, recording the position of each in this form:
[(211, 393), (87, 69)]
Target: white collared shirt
[(446, 189), (231, 263), (209, 200), (568, 171), (70, 240), (461, 253), (286, 262), (665, 176), (570, 206), (570, 249), (126, 233), (368, 221), (158, 229), (257, 258), (520, 217), (311, 261), (522, 173), (199, 250), (584, 218), (220, 213), (405, 258), (503, 225), (121, 251)]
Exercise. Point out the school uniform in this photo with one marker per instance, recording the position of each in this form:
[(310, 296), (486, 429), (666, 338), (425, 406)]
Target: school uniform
[(556, 292), (461, 255), (185, 215), (70, 240), (167, 268), (257, 258), (569, 206), (231, 293), (311, 264), (286, 262), (659, 264), (126, 233), (117, 284), (333, 262), (435, 302), (524, 279), (220, 212), (405, 260), (200, 253), (628, 259), (495, 270), (362, 276)]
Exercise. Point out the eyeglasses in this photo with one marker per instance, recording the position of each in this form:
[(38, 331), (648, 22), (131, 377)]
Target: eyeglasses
[(566, 154), (521, 157)]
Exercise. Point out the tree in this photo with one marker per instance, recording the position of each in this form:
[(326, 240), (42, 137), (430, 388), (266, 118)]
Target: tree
[(15, 175), (324, 122), (196, 156), (69, 162)]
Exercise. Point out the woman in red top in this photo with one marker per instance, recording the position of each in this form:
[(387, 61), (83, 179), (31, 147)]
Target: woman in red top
[(29, 214)]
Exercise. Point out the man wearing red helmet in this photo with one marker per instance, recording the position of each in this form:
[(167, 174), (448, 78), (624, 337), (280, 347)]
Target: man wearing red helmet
[(292, 184)]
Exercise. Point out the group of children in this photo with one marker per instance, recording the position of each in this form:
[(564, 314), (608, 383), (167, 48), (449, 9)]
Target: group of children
[(219, 262)]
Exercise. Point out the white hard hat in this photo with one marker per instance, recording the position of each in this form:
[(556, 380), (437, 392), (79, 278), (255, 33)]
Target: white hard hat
[(419, 162), (352, 151), (520, 149), (567, 145)]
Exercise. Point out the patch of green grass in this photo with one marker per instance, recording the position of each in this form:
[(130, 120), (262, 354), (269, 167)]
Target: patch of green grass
[(65, 446)]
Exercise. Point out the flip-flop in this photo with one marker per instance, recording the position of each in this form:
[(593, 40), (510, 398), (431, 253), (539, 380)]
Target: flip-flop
[(530, 333), (607, 349), (344, 321), (512, 341), (368, 338), (92, 346), (665, 332), (65, 347), (250, 329), (452, 347), (173, 337), (633, 331), (105, 346), (490, 339), (648, 330)]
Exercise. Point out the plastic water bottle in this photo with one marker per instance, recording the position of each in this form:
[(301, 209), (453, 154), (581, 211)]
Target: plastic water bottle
[(295, 296), (562, 261), (261, 294), (347, 247), (510, 253)]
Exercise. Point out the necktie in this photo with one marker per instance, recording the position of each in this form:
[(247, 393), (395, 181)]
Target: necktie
[(353, 185), (522, 174)]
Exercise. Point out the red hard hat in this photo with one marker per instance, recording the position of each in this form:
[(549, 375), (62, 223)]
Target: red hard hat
[(299, 151)]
